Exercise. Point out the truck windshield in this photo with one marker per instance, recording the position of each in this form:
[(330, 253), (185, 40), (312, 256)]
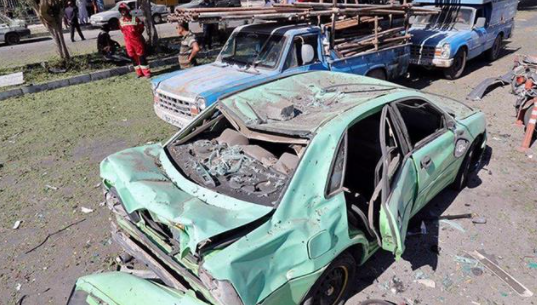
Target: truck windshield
[(244, 48), (455, 17)]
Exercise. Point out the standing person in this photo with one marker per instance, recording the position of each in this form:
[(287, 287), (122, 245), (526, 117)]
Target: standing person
[(208, 28), (71, 19), (83, 11), (132, 29), (189, 46)]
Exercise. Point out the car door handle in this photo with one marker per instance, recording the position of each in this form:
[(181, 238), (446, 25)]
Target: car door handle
[(426, 162)]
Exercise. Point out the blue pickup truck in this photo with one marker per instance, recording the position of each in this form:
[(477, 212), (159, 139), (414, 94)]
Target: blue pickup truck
[(259, 52), (462, 30)]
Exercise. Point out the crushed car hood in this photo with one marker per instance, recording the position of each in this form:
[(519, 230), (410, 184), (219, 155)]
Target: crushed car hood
[(145, 179), (203, 80)]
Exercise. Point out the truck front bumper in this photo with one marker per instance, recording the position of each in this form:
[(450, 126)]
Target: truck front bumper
[(434, 62), (171, 118)]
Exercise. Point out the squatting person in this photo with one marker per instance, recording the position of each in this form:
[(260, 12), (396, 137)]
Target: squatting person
[(132, 29)]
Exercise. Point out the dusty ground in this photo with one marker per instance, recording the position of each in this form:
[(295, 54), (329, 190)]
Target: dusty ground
[(51, 144)]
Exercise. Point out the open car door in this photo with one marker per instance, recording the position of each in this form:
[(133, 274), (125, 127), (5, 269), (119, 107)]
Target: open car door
[(398, 180)]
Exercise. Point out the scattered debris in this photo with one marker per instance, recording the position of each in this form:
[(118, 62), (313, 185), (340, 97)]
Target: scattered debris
[(397, 285), (11, 79), (427, 283), (18, 287), (17, 224), (51, 187), (532, 265), (502, 274), (145, 274), (97, 185), (54, 233), (479, 220), (86, 210), (453, 224)]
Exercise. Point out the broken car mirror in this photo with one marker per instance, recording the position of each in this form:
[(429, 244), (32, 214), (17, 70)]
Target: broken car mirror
[(308, 53)]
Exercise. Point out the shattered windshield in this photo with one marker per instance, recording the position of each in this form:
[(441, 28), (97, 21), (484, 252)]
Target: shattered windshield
[(245, 48), (456, 17)]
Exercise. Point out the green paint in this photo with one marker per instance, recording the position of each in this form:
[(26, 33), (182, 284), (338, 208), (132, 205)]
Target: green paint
[(532, 265)]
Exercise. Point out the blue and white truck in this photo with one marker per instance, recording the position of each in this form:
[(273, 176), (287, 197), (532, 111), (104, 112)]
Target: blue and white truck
[(258, 52), (462, 31)]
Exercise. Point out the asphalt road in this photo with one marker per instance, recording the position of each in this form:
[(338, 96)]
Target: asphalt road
[(43, 48)]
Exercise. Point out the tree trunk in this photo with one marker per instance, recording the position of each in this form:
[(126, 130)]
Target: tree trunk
[(50, 12), (150, 28)]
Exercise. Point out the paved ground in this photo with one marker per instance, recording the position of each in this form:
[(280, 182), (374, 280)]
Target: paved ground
[(43, 48), (51, 144)]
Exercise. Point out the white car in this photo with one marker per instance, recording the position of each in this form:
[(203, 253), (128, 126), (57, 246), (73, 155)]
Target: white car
[(111, 16), (11, 31)]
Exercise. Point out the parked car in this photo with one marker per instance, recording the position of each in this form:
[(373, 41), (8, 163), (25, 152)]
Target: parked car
[(111, 16), (463, 30), (259, 52), (11, 31), (277, 193)]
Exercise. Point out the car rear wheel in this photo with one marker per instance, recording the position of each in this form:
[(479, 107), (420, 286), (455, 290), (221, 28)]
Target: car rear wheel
[(12, 38), (157, 19), (494, 52), (464, 171), (378, 74), (113, 24), (332, 287), (457, 68)]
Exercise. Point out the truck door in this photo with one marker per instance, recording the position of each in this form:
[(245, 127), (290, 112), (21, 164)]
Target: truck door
[(398, 183), (478, 38), (303, 46)]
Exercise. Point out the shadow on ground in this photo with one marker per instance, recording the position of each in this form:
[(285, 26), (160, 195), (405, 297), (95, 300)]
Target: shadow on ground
[(420, 250)]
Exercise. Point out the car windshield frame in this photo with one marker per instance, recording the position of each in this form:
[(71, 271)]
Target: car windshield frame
[(450, 17), (266, 44)]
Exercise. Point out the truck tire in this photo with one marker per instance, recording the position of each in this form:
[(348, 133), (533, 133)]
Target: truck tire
[(494, 52), (113, 24), (378, 74), (157, 18), (457, 68), (332, 287), (12, 38)]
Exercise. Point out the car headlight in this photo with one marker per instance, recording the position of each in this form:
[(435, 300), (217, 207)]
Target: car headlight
[(460, 147), (443, 52)]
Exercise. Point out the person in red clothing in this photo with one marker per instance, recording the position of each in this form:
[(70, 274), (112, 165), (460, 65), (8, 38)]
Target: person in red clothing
[(132, 29)]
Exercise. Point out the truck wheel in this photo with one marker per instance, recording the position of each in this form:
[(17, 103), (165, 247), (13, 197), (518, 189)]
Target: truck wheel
[(12, 38), (457, 68), (378, 74), (157, 19), (332, 287), (113, 24), (494, 52)]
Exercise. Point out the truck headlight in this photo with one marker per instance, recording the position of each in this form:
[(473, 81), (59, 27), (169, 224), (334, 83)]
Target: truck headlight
[(201, 103), (198, 106), (443, 52)]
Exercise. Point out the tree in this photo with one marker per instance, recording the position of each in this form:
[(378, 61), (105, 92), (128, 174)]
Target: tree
[(150, 28), (50, 12)]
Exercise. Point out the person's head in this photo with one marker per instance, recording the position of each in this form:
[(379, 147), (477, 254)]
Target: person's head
[(182, 28), (70, 3), (124, 9), (105, 28)]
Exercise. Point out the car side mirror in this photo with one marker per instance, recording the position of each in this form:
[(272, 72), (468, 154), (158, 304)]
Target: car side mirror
[(480, 22), (308, 53), (451, 125)]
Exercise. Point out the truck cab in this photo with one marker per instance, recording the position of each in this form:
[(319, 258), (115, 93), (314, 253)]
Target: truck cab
[(460, 32), (260, 52)]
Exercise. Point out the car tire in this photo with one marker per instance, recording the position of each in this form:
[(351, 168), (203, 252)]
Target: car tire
[(378, 74), (494, 52), (12, 38), (464, 171), (157, 18), (113, 24), (457, 68), (332, 287)]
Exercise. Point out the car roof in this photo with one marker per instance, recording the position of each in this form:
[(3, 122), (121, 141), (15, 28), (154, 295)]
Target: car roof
[(317, 97)]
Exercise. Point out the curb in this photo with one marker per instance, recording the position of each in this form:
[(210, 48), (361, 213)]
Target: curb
[(81, 79)]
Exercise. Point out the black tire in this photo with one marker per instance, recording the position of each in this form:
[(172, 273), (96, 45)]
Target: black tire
[(378, 74), (12, 38), (457, 68), (332, 287), (157, 18), (494, 52), (464, 171), (113, 24), (527, 116)]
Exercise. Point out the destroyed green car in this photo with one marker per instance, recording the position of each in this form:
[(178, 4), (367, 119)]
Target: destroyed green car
[(275, 194)]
